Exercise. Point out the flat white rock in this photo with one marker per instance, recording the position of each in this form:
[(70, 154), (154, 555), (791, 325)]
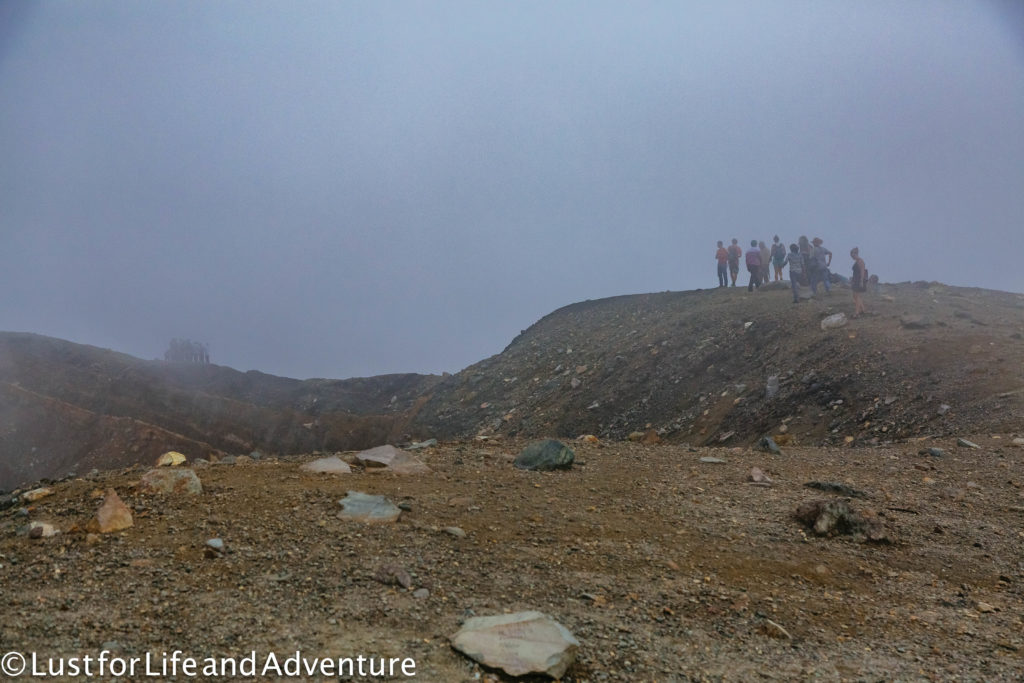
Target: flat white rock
[(518, 644)]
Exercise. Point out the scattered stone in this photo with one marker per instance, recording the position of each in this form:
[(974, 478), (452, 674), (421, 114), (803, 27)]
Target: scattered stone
[(985, 608), (42, 530), (635, 436), (712, 460), (179, 480), (914, 322), (393, 575), (213, 548), (35, 494), (1018, 441), (421, 594), (758, 477), (943, 409), (417, 445), (518, 644), (170, 459), (226, 460), (455, 531), (545, 455), (964, 443), (362, 507), (934, 452), (405, 506), (329, 465), (112, 516), (834, 321), (575, 383), (243, 460), (834, 487), (725, 436), (390, 459), (775, 630), (831, 517), (590, 438), (768, 444)]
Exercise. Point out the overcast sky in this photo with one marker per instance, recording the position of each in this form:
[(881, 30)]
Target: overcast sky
[(342, 188)]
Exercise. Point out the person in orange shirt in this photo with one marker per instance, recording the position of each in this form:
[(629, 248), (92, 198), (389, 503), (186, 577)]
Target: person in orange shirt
[(722, 256)]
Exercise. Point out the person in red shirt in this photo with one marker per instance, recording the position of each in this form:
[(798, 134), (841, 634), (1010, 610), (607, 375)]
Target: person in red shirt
[(722, 256)]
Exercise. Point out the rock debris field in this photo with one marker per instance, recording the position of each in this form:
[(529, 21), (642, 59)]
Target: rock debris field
[(664, 562)]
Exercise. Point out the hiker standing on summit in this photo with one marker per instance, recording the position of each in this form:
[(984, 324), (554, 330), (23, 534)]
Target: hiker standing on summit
[(754, 266), (778, 257), (766, 259), (722, 256), (821, 259), (796, 270), (858, 283), (735, 251)]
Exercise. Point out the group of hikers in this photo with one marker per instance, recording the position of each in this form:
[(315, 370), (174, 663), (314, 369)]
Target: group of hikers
[(809, 262)]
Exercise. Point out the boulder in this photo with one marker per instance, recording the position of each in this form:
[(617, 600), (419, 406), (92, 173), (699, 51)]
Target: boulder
[(329, 465), (390, 459), (548, 454), (35, 494), (834, 321), (170, 459), (113, 515), (362, 507), (914, 322), (179, 480), (518, 644)]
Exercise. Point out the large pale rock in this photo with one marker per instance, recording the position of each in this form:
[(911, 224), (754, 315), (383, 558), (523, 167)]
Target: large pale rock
[(362, 507), (36, 494), (548, 454), (113, 515), (518, 644), (329, 465), (170, 459), (179, 480), (391, 459)]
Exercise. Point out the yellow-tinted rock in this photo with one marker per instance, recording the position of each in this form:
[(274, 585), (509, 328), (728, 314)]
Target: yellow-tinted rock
[(170, 459)]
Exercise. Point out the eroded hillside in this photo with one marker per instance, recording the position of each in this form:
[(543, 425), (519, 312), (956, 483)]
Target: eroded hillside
[(694, 366)]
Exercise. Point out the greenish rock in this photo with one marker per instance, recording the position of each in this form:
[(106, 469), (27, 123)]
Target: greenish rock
[(548, 454), (362, 507)]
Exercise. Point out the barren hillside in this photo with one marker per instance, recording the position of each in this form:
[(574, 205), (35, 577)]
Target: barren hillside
[(694, 366)]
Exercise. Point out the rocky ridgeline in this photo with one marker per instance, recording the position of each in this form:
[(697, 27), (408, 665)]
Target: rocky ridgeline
[(724, 367), (708, 367)]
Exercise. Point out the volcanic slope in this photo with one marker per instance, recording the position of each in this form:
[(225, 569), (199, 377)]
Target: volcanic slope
[(68, 407), (694, 366)]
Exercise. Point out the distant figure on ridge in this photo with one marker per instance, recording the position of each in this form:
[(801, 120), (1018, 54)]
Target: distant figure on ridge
[(754, 266), (735, 251), (722, 256), (821, 259), (766, 259), (778, 257), (858, 283), (796, 270)]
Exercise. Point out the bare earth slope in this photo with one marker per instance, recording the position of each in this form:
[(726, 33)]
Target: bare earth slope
[(666, 568), (694, 366)]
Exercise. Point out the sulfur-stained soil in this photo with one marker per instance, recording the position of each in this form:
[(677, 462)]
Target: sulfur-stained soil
[(664, 566)]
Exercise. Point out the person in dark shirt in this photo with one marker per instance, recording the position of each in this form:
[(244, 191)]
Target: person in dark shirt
[(735, 251)]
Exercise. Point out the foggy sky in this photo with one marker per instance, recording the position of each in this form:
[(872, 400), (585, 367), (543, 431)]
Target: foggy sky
[(335, 189)]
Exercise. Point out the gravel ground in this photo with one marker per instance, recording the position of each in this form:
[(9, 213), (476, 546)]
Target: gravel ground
[(665, 568)]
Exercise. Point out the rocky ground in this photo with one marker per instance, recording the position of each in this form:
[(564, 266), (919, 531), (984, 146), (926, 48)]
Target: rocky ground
[(665, 561)]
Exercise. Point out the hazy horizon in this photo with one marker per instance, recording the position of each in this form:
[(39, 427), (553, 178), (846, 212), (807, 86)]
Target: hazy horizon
[(347, 189)]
